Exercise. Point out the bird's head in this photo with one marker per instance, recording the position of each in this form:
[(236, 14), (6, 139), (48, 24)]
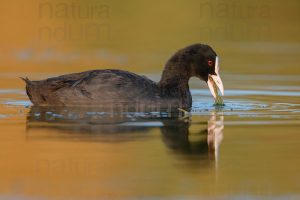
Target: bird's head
[(198, 60)]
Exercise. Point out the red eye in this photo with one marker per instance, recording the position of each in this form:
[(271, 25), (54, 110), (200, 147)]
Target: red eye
[(210, 63)]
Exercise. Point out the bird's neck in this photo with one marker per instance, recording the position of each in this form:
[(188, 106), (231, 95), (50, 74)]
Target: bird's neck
[(175, 81), (175, 84), (174, 76)]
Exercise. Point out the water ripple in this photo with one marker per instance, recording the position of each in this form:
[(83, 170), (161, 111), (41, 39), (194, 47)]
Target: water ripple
[(237, 103)]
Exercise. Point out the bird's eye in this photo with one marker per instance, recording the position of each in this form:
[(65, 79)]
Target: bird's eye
[(210, 63)]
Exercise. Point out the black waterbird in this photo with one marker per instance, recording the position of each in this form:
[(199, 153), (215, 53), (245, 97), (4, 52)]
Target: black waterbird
[(108, 86)]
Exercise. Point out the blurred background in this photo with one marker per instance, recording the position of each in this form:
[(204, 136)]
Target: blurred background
[(57, 36), (55, 154)]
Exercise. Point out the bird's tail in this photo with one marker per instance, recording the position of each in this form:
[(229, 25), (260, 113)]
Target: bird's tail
[(29, 86), (27, 81)]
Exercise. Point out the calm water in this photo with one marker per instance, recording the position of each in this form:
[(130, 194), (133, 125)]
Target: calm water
[(248, 149)]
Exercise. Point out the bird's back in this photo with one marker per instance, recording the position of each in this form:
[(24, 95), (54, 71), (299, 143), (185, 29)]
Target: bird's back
[(92, 88)]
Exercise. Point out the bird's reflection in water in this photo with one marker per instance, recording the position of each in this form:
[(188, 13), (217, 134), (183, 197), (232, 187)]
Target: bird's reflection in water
[(98, 126), (199, 145)]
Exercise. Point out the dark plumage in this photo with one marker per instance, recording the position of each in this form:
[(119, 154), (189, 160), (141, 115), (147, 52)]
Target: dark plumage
[(100, 87)]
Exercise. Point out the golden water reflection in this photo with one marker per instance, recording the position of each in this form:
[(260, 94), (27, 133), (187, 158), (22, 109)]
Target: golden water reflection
[(74, 153), (92, 126), (117, 157)]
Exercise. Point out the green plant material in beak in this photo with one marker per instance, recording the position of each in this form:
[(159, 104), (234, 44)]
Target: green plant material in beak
[(218, 99)]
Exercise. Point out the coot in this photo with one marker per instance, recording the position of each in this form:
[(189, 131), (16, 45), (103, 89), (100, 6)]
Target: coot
[(110, 86)]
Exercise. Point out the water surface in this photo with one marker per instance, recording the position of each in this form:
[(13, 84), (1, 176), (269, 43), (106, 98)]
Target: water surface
[(247, 149)]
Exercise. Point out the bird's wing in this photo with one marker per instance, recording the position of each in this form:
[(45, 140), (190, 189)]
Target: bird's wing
[(103, 86)]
